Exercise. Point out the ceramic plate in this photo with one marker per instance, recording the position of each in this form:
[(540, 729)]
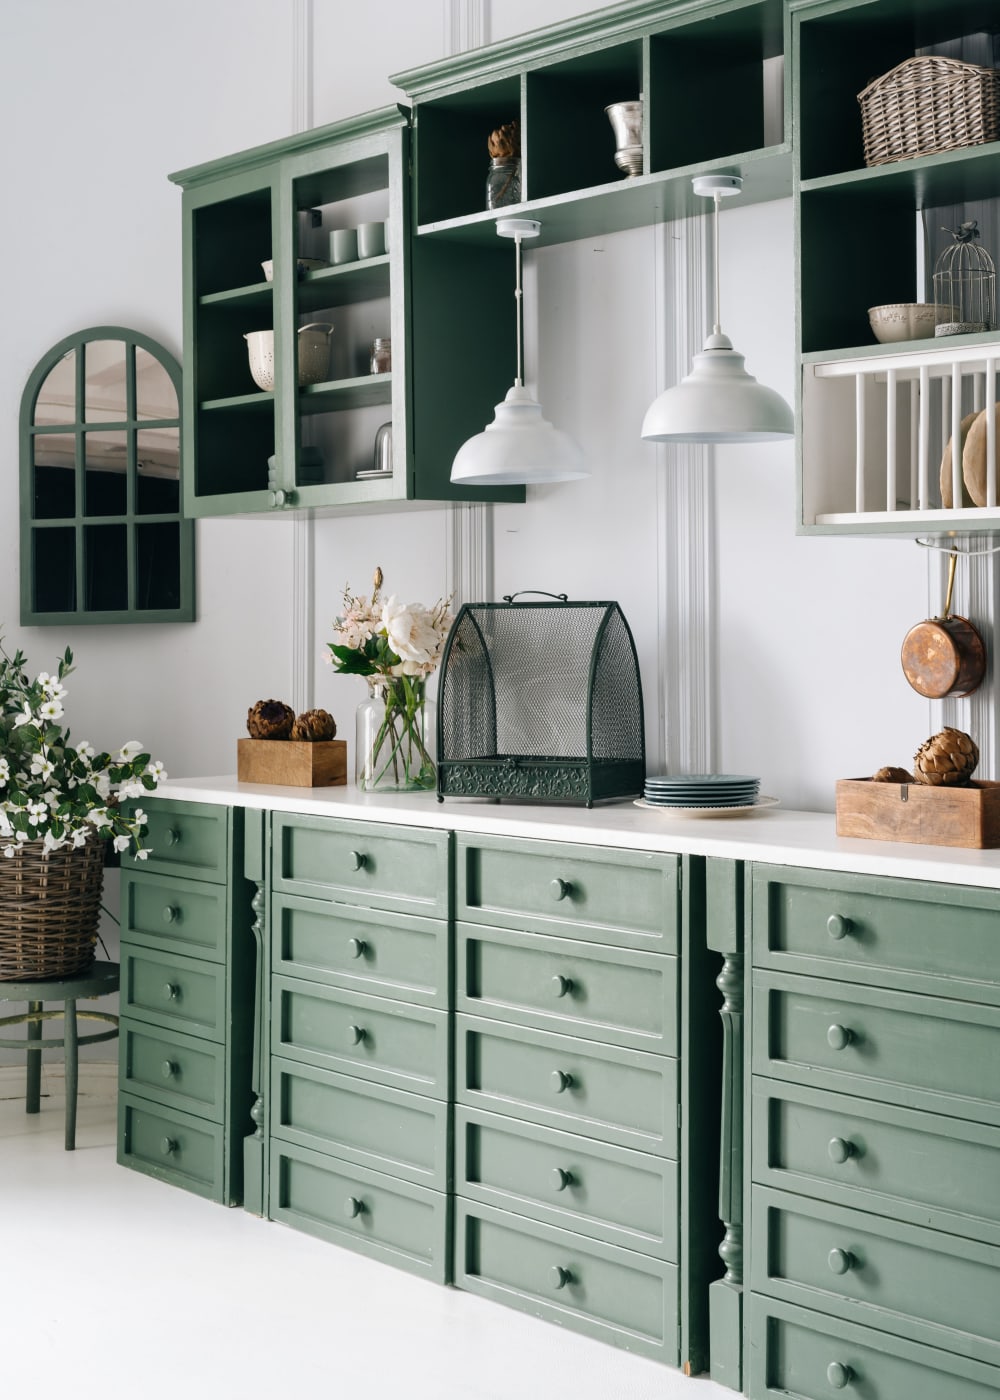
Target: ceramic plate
[(707, 811)]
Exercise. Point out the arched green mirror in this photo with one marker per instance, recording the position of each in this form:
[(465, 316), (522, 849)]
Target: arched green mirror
[(102, 538)]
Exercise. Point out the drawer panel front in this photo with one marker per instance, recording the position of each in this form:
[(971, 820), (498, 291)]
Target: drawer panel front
[(608, 1193), (388, 1219), (177, 916), (621, 1096), (884, 930), (803, 1355), (920, 1284), (371, 1037), (369, 1124), (626, 898), (403, 956), (613, 1294), (918, 1167), (918, 1051), (370, 863), (172, 1146), (178, 993), (185, 838), (613, 995), (179, 1071)]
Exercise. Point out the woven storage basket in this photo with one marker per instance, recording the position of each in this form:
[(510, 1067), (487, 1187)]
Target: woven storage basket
[(50, 906), (929, 104)]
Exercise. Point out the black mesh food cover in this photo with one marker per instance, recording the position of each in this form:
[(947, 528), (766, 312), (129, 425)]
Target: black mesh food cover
[(540, 701)]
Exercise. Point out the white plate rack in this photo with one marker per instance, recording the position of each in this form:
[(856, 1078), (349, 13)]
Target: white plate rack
[(875, 428)]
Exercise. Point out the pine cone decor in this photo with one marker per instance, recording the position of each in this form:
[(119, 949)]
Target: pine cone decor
[(946, 759), (270, 719), (505, 142), (314, 726), (889, 774)]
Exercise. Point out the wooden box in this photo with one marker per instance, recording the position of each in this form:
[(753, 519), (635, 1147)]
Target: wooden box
[(915, 812), (291, 762)]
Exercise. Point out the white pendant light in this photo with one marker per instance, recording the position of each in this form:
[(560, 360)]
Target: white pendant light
[(718, 401), (520, 447)]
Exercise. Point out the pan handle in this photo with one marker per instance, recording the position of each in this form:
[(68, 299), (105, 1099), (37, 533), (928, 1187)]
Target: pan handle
[(952, 561)]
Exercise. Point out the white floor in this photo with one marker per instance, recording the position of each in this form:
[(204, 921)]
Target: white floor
[(114, 1286)]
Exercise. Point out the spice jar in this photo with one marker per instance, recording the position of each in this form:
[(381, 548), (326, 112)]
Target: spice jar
[(381, 361)]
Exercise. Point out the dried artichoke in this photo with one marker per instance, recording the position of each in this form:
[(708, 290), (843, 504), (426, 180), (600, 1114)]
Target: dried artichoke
[(270, 719), (889, 774), (505, 142), (314, 726), (946, 759)]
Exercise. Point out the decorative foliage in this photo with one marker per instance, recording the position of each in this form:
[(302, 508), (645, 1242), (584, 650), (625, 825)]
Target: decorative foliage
[(270, 719), (52, 791), (314, 726)]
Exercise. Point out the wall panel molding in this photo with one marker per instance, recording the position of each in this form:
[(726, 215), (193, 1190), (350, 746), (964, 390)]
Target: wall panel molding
[(303, 605)]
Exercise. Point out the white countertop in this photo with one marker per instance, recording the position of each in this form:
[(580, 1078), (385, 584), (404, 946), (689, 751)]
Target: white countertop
[(773, 835)]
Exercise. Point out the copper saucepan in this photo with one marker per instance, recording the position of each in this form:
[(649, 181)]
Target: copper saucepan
[(944, 655)]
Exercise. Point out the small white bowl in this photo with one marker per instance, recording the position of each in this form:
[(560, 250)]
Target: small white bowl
[(302, 264), (903, 320)]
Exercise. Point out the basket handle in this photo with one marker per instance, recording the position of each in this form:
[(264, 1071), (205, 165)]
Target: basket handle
[(539, 592)]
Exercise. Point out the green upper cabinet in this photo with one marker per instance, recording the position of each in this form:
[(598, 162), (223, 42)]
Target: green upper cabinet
[(102, 538), (707, 75), (282, 404), (876, 418)]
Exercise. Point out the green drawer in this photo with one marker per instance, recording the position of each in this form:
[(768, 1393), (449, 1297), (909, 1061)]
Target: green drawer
[(621, 1096), (803, 1355), (369, 863), (917, 1167), (613, 995), (371, 1037), (404, 956), (920, 1284), (916, 1051), (885, 930), (608, 1193), (626, 898), (178, 1071), (174, 915), (612, 1294), (395, 1221), (389, 1130), (185, 838), (172, 1146), (177, 993)]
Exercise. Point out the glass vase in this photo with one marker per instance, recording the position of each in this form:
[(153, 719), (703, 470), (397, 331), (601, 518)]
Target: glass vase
[(394, 733), (503, 182)]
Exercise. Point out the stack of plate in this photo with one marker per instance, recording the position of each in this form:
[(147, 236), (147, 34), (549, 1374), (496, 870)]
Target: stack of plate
[(702, 790)]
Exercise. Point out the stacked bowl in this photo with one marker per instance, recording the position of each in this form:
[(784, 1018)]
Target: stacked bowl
[(702, 790)]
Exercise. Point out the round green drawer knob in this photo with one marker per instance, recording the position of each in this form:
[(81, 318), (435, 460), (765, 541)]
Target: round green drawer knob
[(561, 889), (171, 914), (171, 991), (840, 1149), (353, 1207), (837, 926), (357, 860), (168, 1145), (561, 1178), (561, 1081), (839, 1037), (169, 1069), (841, 1261), (173, 836), (559, 1276), (839, 1376), (357, 947), (562, 986), (356, 1034)]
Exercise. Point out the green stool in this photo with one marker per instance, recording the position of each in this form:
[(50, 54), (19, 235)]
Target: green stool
[(99, 980)]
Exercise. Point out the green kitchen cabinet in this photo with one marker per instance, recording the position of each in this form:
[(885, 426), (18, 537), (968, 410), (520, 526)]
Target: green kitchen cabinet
[(307, 439), (187, 970)]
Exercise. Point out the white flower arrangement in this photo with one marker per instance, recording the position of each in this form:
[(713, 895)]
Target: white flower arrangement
[(55, 792), (373, 637)]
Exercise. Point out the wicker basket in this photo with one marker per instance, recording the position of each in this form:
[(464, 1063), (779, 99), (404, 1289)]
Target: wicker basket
[(50, 906), (929, 104)]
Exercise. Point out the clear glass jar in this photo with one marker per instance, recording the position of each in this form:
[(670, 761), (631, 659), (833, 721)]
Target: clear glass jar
[(381, 355), (503, 183), (395, 736)]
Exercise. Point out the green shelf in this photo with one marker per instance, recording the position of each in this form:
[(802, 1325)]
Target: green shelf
[(339, 394), (260, 294), (344, 285), (258, 403)]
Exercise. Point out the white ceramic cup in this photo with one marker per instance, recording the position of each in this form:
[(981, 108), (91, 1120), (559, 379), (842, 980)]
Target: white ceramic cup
[(371, 239), (344, 245)]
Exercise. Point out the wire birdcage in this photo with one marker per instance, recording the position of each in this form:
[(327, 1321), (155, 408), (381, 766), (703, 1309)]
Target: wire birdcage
[(964, 285), (540, 701)]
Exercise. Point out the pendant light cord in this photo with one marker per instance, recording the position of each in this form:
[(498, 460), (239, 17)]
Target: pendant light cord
[(519, 303), (717, 326)]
